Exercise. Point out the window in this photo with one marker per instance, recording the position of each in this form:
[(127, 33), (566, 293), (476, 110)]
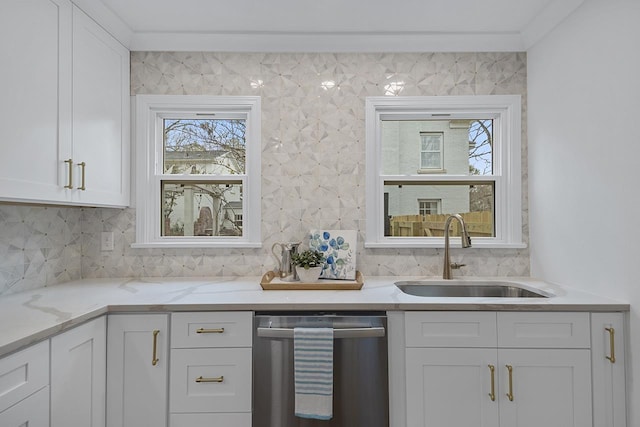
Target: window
[(469, 163), (198, 171), (428, 207), (430, 150)]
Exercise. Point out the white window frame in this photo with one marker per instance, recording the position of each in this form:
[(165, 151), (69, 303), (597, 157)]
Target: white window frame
[(505, 110), (149, 168)]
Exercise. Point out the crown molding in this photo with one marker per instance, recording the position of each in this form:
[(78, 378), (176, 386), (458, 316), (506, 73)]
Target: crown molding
[(327, 42)]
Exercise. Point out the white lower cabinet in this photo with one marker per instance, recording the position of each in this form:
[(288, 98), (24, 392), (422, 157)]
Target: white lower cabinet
[(31, 412), (78, 376), (211, 369), (137, 367), (24, 387), (484, 384), (608, 369)]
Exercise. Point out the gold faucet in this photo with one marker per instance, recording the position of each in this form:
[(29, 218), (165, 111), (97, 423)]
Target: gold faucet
[(466, 243)]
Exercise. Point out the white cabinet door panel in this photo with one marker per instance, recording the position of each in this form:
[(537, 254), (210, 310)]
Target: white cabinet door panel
[(136, 386), (78, 376), (100, 114), (31, 412), (35, 106), (550, 387), (608, 363), (451, 387)]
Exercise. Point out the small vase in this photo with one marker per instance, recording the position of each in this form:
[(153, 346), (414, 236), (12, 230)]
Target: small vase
[(308, 275)]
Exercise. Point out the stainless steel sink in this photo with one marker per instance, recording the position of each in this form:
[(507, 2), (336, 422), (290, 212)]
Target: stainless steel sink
[(466, 289)]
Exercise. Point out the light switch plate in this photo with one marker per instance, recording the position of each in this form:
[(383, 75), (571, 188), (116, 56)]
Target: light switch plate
[(106, 242)]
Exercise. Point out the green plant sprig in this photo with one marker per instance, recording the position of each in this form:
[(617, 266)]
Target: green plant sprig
[(307, 259)]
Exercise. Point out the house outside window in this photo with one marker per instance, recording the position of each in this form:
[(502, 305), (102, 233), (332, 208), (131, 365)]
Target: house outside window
[(198, 171)]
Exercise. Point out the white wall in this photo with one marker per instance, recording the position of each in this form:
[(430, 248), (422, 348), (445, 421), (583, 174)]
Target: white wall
[(584, 157)]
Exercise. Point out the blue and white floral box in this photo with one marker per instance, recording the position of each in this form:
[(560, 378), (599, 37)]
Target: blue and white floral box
[(339, 249)]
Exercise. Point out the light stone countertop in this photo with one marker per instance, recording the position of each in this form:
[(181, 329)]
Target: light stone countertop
[(32, 316)]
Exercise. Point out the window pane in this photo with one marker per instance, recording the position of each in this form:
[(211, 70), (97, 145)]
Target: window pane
[(466, 145), (202, 209), (430, 161), (204, 146), (474, 202)]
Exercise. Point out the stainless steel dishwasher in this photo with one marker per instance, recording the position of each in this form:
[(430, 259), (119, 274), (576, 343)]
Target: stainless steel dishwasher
[(360, 388)]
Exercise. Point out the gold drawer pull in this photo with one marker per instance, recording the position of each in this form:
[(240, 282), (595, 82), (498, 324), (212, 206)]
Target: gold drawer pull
[(155, 360), (492, 395), (219, 379), (510, 394), (210, 331), (612, 344), (70, 184), (82, 165)]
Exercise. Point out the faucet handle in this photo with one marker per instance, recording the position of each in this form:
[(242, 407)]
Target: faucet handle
[(456, 266)]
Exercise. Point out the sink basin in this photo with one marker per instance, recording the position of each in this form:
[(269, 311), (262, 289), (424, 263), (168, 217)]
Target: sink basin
[(466, 289)]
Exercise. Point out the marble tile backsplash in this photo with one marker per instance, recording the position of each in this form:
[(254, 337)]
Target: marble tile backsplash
[(313, 165)]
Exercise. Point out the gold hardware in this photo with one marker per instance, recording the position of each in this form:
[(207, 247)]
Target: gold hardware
[(492, 395), (219, 379), (155, 360), (612, 344), (210, 331), (510, 394), (82, 168), (70, 184)]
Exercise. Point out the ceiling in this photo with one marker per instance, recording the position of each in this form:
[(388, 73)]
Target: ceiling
[(329, 25)]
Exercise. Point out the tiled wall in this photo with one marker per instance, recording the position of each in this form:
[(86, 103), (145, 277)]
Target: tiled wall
[(39, 246), (313, 160)]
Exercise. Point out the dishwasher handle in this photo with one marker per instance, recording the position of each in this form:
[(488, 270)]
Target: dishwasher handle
[(369, 332)]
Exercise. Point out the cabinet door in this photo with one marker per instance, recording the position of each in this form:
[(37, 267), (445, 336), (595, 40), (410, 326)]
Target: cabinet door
[(35, 106), (78, 376), (137, 366), (608, 367), (100, 115), (31, 412), (548, 387), (451, 387)]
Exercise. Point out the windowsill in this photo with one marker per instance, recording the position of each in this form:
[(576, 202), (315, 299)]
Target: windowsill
[(430, 171), (439, 244), (197, 245)]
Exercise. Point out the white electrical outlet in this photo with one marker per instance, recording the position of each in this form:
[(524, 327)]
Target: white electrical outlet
[(107, 241)]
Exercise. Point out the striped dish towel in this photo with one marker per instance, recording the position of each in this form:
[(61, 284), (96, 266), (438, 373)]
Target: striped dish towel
[(313, 365)]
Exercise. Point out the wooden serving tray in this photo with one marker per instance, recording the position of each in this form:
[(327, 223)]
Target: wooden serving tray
[(270, 281)]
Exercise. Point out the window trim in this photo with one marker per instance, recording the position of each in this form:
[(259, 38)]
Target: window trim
[(507, 164), (148, 158)]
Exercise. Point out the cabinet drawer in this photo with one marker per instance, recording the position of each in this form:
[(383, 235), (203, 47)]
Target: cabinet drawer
[(23, 373), (211, 329), (544, 330), (32, 412), (208, 420), (450, 329), (210, 380)]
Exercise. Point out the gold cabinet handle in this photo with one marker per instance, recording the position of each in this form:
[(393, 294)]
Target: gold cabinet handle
[(83, 166), (219, 379), (612, 344), (510, 394), (155, 360), (210, 331), (70, 184), (492, 395)]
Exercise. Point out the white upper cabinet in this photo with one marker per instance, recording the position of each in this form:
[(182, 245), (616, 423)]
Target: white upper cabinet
[(35, 106), (100, 115), (65, 107)]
